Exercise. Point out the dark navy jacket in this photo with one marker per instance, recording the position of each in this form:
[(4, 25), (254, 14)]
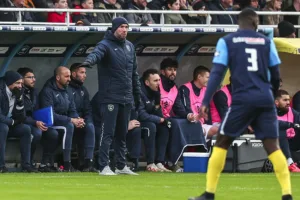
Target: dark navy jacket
[(4, 106), (147, 111), (31, 104), (61, 101), (118, 79), (82, 100), (296, 101), (222, 19)]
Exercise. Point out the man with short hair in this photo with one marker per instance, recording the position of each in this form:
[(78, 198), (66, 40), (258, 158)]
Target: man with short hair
[(118, 87), (56, 94), (85, 4), (142, 18), (108, 5), (288, 120), (85, 136), (184, 133), (192, 94), (31, 104), (12, 116), (151, 118)]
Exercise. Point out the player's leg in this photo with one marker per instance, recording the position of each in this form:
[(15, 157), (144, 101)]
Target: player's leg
[(235, 122), (266, 128), (280, 166)]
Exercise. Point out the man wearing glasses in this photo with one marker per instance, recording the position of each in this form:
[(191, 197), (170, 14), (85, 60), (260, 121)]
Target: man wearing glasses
[(31, 104)]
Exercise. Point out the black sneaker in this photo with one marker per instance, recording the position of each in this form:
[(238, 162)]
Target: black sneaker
[(88, 166), (90, 169), (69, 168), (204, 196), (46, 168), (3, 170), (287, 197), (29, 169)]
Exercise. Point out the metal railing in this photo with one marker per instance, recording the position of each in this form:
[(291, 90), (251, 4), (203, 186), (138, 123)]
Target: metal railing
[(115, 12)]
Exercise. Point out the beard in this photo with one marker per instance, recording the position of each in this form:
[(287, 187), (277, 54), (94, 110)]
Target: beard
[(282, 111)]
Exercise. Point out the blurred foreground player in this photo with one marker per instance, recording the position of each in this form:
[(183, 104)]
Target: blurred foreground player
[(250, 57)]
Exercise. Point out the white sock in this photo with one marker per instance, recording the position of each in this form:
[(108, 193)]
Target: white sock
[(290, 161)]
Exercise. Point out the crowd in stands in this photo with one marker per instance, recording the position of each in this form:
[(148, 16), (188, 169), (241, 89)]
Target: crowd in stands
[(213, 5)]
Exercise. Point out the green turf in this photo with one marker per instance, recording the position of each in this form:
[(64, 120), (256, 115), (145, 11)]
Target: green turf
[(147, 186)]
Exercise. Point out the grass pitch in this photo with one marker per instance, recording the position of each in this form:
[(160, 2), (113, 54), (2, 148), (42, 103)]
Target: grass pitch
[(147, 186)]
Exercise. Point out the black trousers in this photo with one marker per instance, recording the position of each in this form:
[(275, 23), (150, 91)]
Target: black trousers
[(111, 123)]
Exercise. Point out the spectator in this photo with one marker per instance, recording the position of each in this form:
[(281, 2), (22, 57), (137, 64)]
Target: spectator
[(173, 18), (12, 116), (209, 5), (37, 16), (272, 5), (288, 120), (59, 17), (83, 22), (286, 29), (109, 5), (139, 18), (55, 94), (85, 4), (294, 19), (31, 104), (198, 5), (224, 5), (152, 120), (156, 5), (192, 94), (253, 4), (14, 16), (85, 136)]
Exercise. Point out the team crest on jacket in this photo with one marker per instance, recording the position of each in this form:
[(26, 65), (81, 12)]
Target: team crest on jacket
[(110, 107), (82, 93), (128, 47)]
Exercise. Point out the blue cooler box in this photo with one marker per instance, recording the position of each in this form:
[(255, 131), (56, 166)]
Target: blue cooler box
[(195, 162)]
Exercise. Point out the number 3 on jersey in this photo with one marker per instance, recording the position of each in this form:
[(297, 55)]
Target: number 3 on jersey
[(252, 59)]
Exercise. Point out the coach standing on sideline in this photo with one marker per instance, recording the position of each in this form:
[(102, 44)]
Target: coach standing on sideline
[(118, 83)]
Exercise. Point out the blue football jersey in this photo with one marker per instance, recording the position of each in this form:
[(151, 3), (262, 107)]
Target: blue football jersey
[(248, 54)]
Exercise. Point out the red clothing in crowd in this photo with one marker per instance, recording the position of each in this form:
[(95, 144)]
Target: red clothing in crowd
[(57, 17)]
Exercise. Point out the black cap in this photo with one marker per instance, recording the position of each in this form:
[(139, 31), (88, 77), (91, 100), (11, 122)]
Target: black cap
[(11, 77), (286, 28), (116, 22)]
